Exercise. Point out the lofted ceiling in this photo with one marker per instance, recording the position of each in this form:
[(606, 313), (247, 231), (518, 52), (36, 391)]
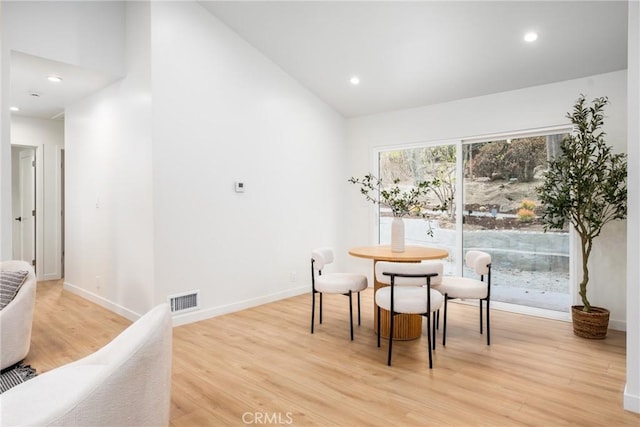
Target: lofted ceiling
[(406, 54), (414, 53)]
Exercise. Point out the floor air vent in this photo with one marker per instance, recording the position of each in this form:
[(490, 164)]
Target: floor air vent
[(184, 302)]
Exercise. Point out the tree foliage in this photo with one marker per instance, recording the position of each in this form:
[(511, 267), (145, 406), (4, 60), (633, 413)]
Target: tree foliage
[(436, 164), (523, 155), (489, 161), (441, 164), (586, 184), (516, 159)]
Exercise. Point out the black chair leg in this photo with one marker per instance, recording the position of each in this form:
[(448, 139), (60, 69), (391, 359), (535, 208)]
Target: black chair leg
[(313, 308), (358, 308), (351, 315), (444, 323), (378, 325), (390, 335), (320, 307), (488, 326), (480, 316), (429, 339), (433, 331)]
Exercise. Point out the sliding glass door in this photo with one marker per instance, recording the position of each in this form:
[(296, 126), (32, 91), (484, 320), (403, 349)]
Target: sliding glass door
[(490, 204), (501, 216)]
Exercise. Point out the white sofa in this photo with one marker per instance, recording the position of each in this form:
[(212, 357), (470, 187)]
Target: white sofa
[(16, 318), (125, 383)]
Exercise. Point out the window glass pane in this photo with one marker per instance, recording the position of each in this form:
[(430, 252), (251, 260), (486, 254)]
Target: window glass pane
[(502, 217)]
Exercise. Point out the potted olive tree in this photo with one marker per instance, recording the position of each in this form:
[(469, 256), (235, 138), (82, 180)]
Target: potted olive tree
[(585, 185)]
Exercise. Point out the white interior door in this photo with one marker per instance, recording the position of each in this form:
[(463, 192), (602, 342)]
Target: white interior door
[(27, 218)]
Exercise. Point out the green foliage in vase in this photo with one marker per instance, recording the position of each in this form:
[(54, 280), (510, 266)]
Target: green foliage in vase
[(402, 202), (586, 184)]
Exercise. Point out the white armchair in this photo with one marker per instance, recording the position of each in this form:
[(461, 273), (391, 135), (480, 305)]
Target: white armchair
[(125, 383), (16, 318)]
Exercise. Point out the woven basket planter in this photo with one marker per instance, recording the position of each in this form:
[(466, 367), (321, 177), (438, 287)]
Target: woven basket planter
[(592, 325)]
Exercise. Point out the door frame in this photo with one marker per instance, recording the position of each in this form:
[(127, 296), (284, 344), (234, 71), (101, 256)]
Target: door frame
[(26, 198), (38, 182), (60, 185)]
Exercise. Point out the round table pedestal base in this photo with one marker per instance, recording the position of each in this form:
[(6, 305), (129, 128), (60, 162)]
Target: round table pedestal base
[(405, 326)]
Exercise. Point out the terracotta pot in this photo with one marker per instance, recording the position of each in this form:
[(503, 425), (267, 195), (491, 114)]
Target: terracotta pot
[(592, 325)]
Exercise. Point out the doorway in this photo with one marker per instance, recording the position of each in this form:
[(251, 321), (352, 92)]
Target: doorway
[(23, 191)]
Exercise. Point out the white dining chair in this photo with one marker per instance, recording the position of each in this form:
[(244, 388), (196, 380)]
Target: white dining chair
[(333, 283), (456, 287), (409, 292)]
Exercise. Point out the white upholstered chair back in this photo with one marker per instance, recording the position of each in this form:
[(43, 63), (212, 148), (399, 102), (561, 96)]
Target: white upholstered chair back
[(321, 257), (478, 261), (410, 268)]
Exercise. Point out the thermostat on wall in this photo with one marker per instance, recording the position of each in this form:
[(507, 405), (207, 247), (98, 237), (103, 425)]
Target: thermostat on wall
[(239, 187)]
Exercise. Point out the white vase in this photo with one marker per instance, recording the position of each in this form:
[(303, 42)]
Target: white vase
[(397, 235)]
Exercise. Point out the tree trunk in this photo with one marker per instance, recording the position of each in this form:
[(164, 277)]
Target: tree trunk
[(586, 251)]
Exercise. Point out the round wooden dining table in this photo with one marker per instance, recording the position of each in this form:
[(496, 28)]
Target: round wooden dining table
[(406, 326)]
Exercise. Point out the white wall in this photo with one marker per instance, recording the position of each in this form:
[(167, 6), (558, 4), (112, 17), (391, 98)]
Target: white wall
[(217, 118), (632, 389), (523, 109), (15, 191), (6, 219), (223, 112), (109, 218), (48, 137)]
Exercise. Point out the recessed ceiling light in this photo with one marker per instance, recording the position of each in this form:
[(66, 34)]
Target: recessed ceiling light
[(14, 109), (54, 79), (355, 80), (531, 36)]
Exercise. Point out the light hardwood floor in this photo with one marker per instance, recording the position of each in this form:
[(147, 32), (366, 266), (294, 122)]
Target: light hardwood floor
[(262, 366)]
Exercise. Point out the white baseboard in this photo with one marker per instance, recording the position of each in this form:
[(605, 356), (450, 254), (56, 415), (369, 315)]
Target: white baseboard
[(101, 301), (195, 316), (616, 325), (523, 309), (631, 402)]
